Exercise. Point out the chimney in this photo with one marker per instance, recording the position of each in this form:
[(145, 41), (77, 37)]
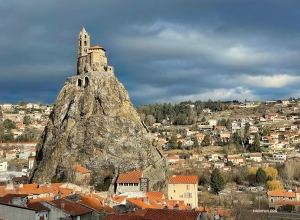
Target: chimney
[(62, 205), (176, 207)]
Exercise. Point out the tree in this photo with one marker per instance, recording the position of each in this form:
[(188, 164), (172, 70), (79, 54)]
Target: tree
[(206, 141), (26, 120), (229, 163), (9, 124), (274, 185), (173, 141), (196, 143), (150, 120), (217, 181), (271, 172), (22, 103), (261, 176), (255, 147), (266, 131)]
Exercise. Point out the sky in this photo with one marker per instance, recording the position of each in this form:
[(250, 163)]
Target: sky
[(162, 50)]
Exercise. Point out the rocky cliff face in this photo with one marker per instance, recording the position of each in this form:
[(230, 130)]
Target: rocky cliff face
[(93, 124)]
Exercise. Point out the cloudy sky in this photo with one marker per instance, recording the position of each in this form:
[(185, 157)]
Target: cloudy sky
[(162, 51)]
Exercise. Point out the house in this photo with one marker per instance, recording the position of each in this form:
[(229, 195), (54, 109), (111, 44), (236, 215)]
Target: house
[(285, 102), (3, 166), (235, 159), (224, 134), (97, 204), (16, 206), (10, 155), (63, 208), (184, 187), (130, 182), (219, 165), (212, 122), (173, 159), (283, 195), (82, 174), (206, 110), (257, 157), (213, 157)]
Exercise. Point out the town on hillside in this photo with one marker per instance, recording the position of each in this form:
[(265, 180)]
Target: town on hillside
[(227, 160)]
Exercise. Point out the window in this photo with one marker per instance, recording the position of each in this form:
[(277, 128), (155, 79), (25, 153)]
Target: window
[(84, 43), (187, 187), (174, 190), (120, 184), (135, 184), (187, 195), (181, 196), (125, 184), (130, 184)]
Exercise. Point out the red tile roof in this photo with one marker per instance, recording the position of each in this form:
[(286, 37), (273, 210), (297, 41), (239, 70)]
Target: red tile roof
[(71, 208), (156, 194), (184, 179), (130, 177), (8, 198), (4, 191), (155, 214), (37, 206), (81, 169), (281, 193), (119, 199)]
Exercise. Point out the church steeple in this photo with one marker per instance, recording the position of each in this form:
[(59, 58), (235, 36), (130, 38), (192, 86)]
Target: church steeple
[(83, 43)]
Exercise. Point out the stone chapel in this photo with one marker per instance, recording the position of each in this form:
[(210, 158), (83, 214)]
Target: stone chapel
[(90, 59)]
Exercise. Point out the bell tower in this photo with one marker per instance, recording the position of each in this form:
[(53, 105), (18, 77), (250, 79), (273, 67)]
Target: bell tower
[(83, 43)]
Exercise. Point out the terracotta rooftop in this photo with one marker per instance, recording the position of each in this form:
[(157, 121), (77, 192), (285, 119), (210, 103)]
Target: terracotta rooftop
[(71, 208), (8, 198), (281, 193), (156, 194), (4, 191), (139, 202), (81, 169), (155, 214), (92, 202), (119, 199), (183, 179), (37, 206), (97, 47), (130, 177)]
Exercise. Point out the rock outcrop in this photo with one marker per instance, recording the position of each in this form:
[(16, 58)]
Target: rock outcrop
[(93, 124)]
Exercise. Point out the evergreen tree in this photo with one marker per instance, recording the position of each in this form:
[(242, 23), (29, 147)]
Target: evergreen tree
[(206, 141), (26, 120), (255, 147), (261, 176), (217, 181), (196, 143), (173, 141)]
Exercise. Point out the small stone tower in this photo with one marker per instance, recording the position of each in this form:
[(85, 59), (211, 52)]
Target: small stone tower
[(90, 59), (84, 43)]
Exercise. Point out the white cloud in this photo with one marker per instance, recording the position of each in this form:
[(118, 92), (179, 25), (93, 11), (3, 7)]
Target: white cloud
[(274, 81)]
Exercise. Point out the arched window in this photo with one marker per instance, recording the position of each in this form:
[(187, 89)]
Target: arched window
[(84, 43), (86, 81), (79, 82)]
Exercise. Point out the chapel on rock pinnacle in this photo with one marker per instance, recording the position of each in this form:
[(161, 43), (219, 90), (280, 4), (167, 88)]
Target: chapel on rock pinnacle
[(90, 59)]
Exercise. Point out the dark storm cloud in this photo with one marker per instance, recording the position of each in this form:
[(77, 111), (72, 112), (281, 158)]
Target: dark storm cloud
[(162, 51)]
